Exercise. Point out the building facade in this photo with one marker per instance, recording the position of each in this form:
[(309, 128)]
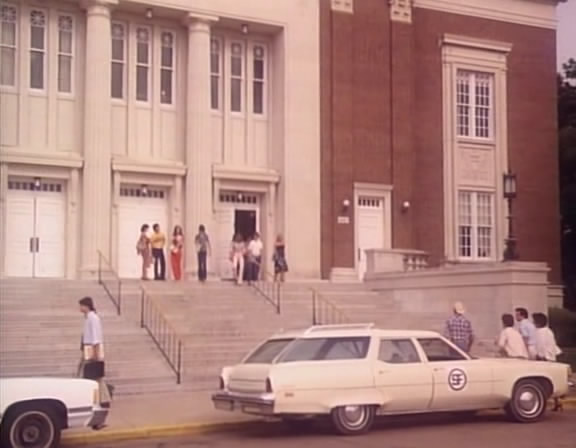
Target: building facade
[(343, 125)]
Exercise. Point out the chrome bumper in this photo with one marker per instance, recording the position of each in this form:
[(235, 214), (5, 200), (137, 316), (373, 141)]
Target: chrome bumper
[(248, 404), (98, 418)]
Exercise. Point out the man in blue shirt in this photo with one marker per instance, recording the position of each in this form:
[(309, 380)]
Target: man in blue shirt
[(527, 330)]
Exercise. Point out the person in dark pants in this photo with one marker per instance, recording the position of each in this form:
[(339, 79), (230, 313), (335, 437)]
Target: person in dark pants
[(158, 242), (203, 250), (255, 248)]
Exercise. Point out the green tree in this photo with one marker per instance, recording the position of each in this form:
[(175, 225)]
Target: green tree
[(567, 160)]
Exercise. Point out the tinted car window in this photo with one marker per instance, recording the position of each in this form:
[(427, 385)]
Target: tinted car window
[(324, 349), (268, 351), (398, 351), (438, 350)]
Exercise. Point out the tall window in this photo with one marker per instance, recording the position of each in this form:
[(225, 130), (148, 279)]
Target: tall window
[(118, 60), (8, 16), (37, 48), (258, 80), (142, 63), (474, 104), (65, 53), (236, 76), (475, 225), (215, 74), (167, 67)]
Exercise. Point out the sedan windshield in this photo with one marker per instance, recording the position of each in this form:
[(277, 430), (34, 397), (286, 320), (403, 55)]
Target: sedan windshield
[(268, 351)]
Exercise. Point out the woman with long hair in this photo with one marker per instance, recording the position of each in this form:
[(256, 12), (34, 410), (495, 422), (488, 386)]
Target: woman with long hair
[(279, 259), (143, 249), (176, 250)]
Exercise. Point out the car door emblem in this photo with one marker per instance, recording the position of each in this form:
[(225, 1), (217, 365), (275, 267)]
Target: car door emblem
[(457, 379)]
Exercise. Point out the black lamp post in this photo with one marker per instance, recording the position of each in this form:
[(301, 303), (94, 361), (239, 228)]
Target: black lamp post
[(510, 194)]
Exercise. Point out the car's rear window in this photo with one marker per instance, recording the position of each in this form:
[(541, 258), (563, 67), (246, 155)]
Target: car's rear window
[(325, 349), (268, 351)]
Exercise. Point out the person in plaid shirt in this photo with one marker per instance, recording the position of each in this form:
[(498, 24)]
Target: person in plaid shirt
[(459, 329)]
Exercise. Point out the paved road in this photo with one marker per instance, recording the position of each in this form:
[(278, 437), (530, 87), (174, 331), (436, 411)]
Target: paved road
[(557, 431)]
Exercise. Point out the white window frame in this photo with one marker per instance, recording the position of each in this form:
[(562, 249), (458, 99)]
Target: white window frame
[(147, 65), (123, 62), (231, 77), (217, 49), (42, 51), (71, 55), (475, 225), (474, 82), (253, 80), (13, 47), (165, 68)]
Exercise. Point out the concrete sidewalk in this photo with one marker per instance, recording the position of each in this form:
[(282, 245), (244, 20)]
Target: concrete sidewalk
[(171, 415)]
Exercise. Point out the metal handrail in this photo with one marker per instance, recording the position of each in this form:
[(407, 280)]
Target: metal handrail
[(324, 312), (115, 288), (270, 289), (162, 333)]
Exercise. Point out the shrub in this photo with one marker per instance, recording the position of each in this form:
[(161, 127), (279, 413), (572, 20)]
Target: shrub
[(563, 323)]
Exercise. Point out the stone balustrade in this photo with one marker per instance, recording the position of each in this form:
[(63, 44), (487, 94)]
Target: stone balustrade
[(395, 260)]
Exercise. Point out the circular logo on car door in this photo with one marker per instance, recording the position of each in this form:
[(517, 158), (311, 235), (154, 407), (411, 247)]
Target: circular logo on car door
[(457, 379)]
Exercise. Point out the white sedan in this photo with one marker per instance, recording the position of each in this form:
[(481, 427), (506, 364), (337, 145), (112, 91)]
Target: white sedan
[(353, 372), (33, 411)]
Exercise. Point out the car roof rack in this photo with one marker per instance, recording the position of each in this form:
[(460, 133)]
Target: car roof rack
[(320, 328)]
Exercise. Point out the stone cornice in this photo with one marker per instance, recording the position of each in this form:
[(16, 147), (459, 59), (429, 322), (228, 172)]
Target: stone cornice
[(70, 160), (537, 13), (148, 167), (245, 174)]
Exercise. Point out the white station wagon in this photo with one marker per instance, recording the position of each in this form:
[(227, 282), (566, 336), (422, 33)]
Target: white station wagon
[(353, 372), (34, 411)]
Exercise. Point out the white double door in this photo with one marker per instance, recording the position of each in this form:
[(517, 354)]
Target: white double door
[(35, 234), (133, 212)]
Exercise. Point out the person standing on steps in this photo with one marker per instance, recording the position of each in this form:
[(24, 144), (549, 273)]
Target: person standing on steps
[(255, 248), (279, 259), (143, 249), (92, 347), (176, 250), (202, 242), (158, 242), (237, 253)]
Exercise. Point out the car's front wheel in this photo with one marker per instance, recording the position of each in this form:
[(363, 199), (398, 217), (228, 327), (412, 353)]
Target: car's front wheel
[(528, 403), (353, 419), (30, 426)]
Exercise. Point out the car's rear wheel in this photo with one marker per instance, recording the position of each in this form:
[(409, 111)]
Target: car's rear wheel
[(31, 426), (353, 419), (528, 403)]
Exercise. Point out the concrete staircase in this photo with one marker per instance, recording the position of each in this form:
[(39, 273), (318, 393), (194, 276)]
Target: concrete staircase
[(41, 327)]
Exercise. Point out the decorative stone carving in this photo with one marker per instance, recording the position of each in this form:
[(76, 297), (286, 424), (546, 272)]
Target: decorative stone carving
[(401, 10), (476, 167), (343, 6)]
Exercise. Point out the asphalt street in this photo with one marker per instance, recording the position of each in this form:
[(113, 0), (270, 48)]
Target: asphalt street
[(558, 430)]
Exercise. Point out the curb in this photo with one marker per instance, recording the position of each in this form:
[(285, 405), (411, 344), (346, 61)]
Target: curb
[(186, 429)]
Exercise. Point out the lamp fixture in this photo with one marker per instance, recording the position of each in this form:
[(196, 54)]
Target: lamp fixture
[(37, 183), (144, 190), (244, 28), (405, 206), (149, 13)]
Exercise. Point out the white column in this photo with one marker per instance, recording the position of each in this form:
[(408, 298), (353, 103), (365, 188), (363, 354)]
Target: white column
[(96, 176), (198, 200)]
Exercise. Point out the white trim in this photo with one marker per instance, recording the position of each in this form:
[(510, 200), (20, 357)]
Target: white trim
[(72, 160), (224, 172), (148, 166), (479, 44), (538, 13)]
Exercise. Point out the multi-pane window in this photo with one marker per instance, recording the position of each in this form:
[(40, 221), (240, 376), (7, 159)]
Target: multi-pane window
[(475, 225), (8, 24), (37, 48), (65, 53), (118, 60), (215, 73), (142, 63), (166, 67), (236, 76), (258, 74), (474, 106)]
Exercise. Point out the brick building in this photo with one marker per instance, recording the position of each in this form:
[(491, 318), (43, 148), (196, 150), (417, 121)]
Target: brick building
[(425, 104), (344, 125)]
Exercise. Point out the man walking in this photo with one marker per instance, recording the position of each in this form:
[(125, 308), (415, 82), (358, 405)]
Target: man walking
[(255, 256), (202, 249), (158, 242), (527, 330), (459, 329)]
